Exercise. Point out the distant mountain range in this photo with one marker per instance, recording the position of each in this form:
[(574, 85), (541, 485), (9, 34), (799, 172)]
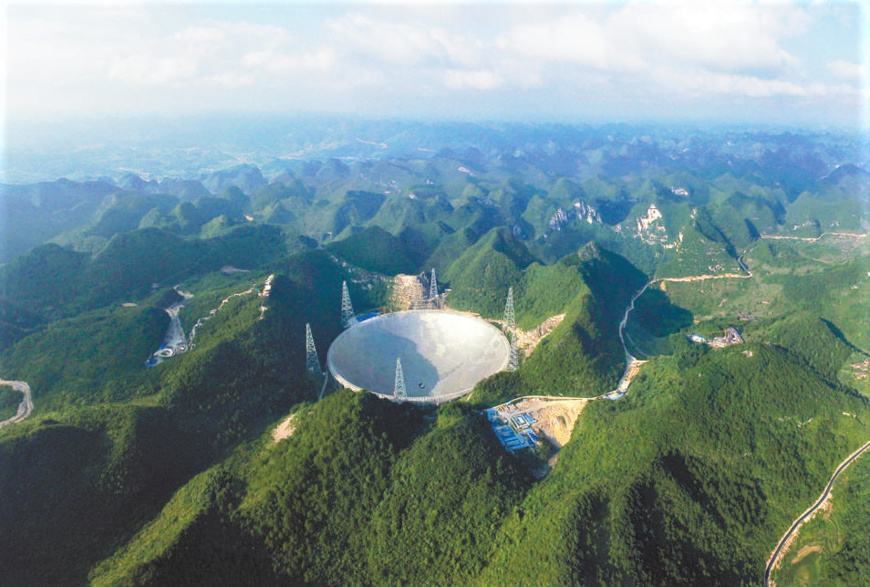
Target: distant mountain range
[(192, 148), (550, 184)]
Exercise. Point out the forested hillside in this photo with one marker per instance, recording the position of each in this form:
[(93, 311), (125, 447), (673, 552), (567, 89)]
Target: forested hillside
[(132, 470)]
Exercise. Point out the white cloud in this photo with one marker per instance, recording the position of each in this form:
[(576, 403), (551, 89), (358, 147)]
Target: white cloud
[(574, 38), (730, 36), (476, 79), (153, 70), (845, 69), (321, 61), (214, 53), (626, 55), (390, 42), (199, 35), (703, 82)]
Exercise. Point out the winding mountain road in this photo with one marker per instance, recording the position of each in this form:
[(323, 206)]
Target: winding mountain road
[(785, 541), (813, 239), (26, 405)]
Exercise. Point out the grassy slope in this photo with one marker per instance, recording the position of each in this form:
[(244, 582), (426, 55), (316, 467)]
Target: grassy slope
[(448, 492), (191, 541), (311, 499), (361, 483), (582, 356)]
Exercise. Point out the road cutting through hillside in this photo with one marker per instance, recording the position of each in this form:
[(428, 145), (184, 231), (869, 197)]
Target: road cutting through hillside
[(26, 405), (702, 277), (528, 340), (785, 542), (813, 239), (175, 343), (554, 417), (214, 311), (547, 416)]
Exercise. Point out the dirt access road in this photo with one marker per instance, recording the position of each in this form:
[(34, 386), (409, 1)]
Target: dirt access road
[(26, 405)]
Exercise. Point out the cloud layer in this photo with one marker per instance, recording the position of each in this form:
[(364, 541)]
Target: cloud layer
[(633, 59)]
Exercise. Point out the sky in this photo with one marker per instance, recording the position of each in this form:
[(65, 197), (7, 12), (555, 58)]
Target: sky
[(803, 63)]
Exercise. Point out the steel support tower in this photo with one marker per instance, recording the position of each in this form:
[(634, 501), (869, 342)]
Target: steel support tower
[(509, 319), (312, 363), (433, 290), (399, 391), (347, 317), (514, 360), (510, 326)]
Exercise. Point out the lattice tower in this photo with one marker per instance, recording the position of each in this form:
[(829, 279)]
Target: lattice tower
[(399, 391), (347, 317), (312, 363), (514, 360), (509, 319), (433, 290)]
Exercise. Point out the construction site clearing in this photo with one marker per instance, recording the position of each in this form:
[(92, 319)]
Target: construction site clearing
[(527, 340), (523, 422), (732, 336), (409, 293)]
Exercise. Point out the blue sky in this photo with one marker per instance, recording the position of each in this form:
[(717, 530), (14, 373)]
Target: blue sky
[(776, 62)]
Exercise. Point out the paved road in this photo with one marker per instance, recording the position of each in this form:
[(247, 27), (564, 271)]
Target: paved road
[(624, 321), (822, 499), (26, 405)]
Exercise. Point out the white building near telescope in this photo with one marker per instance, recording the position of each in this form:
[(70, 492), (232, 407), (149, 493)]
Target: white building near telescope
[(443, 353)]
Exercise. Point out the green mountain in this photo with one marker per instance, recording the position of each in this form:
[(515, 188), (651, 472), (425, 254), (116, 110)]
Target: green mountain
[(83, 484), (691, 479), (374, 249), (97, 356), (33, 214), (170, 474), (582, 357), (59, 282), (719, 448), (481, 276)]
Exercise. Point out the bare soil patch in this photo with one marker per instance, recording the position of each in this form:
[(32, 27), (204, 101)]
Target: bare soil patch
[(285, 429)]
